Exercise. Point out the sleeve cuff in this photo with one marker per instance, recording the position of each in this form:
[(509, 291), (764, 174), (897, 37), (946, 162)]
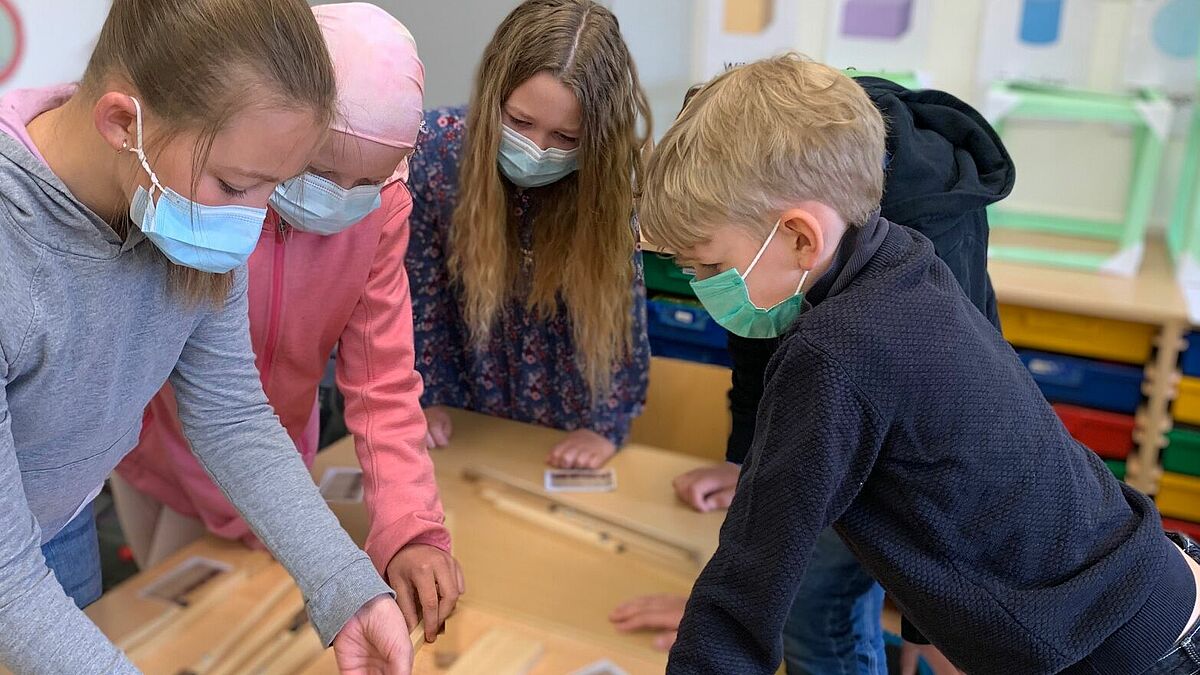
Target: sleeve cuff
[(383, 544), (342, 596)]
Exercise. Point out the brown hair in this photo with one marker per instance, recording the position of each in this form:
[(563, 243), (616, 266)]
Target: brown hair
[(760, 138), (584, 240), (195, 64)]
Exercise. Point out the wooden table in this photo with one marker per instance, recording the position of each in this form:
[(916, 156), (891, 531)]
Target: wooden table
[(520, 575), (525, 570)]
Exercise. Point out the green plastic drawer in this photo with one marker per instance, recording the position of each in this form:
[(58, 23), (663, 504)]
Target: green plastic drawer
[(664, 276), (1183, 452), (1117, 466)]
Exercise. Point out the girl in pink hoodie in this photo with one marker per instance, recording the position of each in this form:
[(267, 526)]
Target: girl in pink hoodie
[(329, 271)]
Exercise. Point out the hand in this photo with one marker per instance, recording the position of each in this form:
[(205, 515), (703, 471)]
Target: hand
[(708, 488), (374, 640), (661, 613), (439, 428), (910, 653), (427, 581), (581, 449)]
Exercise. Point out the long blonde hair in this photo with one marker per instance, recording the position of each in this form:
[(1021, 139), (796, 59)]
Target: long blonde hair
[(195, 64), (583, 238)]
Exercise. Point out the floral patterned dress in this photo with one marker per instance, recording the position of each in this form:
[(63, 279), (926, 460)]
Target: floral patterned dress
[(527, 371)]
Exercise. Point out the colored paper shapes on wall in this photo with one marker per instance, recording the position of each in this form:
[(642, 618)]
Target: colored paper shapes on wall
[(886, 19), (12, 40), (1176, 28), (1041, 21)]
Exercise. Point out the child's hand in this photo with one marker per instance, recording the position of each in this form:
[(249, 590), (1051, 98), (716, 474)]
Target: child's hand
[(661, 613), (709, 488), (427, 581), (437, 420), (581, 449), (374, 640)]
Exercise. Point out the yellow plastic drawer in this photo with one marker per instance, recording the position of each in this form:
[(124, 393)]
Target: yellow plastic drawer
[(1074, 334), (1187, 404), (1179, 496)]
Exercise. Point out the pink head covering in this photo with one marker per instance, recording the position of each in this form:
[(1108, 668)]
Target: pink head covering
[(380, 78)]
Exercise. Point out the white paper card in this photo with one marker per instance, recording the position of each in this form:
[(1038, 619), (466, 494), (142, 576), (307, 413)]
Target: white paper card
[(580, 480), (343, 485)]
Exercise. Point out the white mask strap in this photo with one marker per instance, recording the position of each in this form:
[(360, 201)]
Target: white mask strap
[(140, 149), (762, 250), (802, 278)]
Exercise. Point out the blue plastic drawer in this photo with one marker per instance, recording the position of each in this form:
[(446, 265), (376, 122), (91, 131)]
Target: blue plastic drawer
[(1190, 361), (717, 356), (681, 321), (1095, 384)]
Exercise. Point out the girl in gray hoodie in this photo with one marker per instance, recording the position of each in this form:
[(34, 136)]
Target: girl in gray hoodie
[(130, 203)]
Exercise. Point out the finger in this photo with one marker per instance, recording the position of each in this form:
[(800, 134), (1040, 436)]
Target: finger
[(568, 457), (554, 458), (665, 640), (694, 497), (441, 434), (426, 584), (650, 620), (641, 603), (683, 486), (447, 597), (429, 442), (462, 579), (721, 499), (589, 459), (408, 607)]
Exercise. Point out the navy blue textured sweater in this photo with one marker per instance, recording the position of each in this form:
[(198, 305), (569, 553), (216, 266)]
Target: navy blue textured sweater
[(896, 412)]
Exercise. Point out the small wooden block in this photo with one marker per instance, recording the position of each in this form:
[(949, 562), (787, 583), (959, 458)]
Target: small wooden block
[(499, 652)]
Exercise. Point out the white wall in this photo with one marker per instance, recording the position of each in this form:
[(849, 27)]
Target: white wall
[(59, 37), (451, 35), (1080, 169), (1074, 169)]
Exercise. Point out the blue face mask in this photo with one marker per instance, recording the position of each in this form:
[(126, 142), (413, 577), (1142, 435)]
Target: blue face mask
[(314, 204), (527, 165), (212, 239), (727, 299)]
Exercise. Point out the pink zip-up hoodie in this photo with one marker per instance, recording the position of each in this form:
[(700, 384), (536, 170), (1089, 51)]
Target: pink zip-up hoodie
[(309, 293)]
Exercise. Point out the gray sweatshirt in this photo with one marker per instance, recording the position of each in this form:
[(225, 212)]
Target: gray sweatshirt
[(89, 332)]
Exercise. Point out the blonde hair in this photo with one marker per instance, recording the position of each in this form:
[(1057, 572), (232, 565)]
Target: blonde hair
[(196, 64), (758, 139), (583, 238)]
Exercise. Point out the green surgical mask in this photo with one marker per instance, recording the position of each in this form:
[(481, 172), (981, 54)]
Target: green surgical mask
[(727, 299)]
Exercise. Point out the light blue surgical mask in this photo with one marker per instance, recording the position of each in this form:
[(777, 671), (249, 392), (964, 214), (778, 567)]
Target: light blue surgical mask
[(727, 299), (212, 239), (311, 203), (527, 165)]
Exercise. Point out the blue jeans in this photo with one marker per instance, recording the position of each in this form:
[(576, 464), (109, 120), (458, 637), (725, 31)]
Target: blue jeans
[(74, 557), (833, 627)]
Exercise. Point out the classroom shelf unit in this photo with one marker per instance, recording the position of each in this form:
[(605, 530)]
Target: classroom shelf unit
[(1117, 344)]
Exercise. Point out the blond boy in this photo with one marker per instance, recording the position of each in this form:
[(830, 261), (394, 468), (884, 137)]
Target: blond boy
[(893, 410)]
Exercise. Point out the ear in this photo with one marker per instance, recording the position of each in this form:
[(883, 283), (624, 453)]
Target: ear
[(809, 242), (115, 118)]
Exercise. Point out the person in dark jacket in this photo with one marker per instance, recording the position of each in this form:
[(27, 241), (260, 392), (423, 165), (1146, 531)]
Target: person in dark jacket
[(944, 165), (893, 411)]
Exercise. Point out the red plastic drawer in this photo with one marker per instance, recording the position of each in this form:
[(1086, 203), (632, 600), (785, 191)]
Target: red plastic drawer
[(1190, 529), (1108, 434)]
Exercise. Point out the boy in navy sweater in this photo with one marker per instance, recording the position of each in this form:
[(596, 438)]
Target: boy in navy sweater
[(894, 411)]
